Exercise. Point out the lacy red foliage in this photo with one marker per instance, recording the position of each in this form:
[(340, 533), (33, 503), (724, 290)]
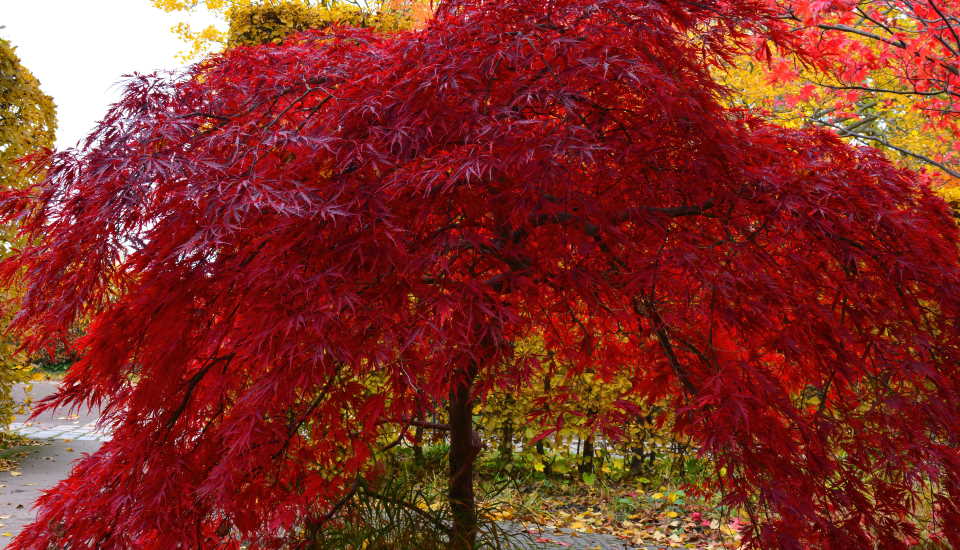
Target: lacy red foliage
[(293, 246)]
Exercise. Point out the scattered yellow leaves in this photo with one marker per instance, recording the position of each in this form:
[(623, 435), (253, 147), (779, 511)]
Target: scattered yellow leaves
[(667, 517)]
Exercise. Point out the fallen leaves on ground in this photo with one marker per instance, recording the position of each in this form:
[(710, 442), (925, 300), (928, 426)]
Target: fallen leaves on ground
[(663, 518), (13, 447)]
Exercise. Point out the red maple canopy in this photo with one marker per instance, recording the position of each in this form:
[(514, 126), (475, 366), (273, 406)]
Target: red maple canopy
[(295, 248)]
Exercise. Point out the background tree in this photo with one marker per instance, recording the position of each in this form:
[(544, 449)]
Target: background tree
[(294, 251), (883, 73), (261, 21), (27, 126), (27, 116)]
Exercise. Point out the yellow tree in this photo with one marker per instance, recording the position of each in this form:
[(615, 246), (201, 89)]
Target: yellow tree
[(27, 115), (27, 125), (261, 21)]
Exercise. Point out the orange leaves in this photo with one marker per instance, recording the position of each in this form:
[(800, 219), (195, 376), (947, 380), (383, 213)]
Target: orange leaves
[(781, 72)]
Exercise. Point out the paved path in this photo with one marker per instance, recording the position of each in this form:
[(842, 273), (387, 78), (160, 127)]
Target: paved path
[(68, 437), (58, 424), (556, 539), (41, 470), (69, 432)]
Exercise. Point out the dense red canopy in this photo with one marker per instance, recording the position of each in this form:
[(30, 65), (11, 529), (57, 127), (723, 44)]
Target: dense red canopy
[(293, 245)]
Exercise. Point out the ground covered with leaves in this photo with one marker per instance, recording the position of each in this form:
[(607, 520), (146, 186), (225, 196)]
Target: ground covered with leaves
[(13, 447), (638, 514)]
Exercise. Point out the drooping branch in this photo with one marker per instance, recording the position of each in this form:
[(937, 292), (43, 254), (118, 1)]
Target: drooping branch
[(885, 143), (646, 308)]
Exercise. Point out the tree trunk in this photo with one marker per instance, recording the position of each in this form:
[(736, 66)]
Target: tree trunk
[(506, 442), (418, 445), (586, 463), (547, 466), (464, 447), (637, 456)]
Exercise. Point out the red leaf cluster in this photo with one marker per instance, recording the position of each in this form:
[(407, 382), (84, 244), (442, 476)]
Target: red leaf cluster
[(915, 44), (293, 246)]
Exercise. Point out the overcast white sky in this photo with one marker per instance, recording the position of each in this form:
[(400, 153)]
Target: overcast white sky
[(79, 50)]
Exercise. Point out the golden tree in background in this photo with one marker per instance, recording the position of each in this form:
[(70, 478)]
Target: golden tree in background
[(261, 21), (27, 126)]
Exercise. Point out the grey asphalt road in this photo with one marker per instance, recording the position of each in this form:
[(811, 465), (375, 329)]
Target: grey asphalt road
[(39, 471), (556, 539), (43, 466)]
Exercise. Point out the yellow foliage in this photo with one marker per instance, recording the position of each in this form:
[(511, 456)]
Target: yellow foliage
[(270, 21), (27, 115), (27, 125), (507, 416), (181, 5)]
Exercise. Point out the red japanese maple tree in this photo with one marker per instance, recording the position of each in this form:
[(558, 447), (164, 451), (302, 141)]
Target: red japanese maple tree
[(291, 249)]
